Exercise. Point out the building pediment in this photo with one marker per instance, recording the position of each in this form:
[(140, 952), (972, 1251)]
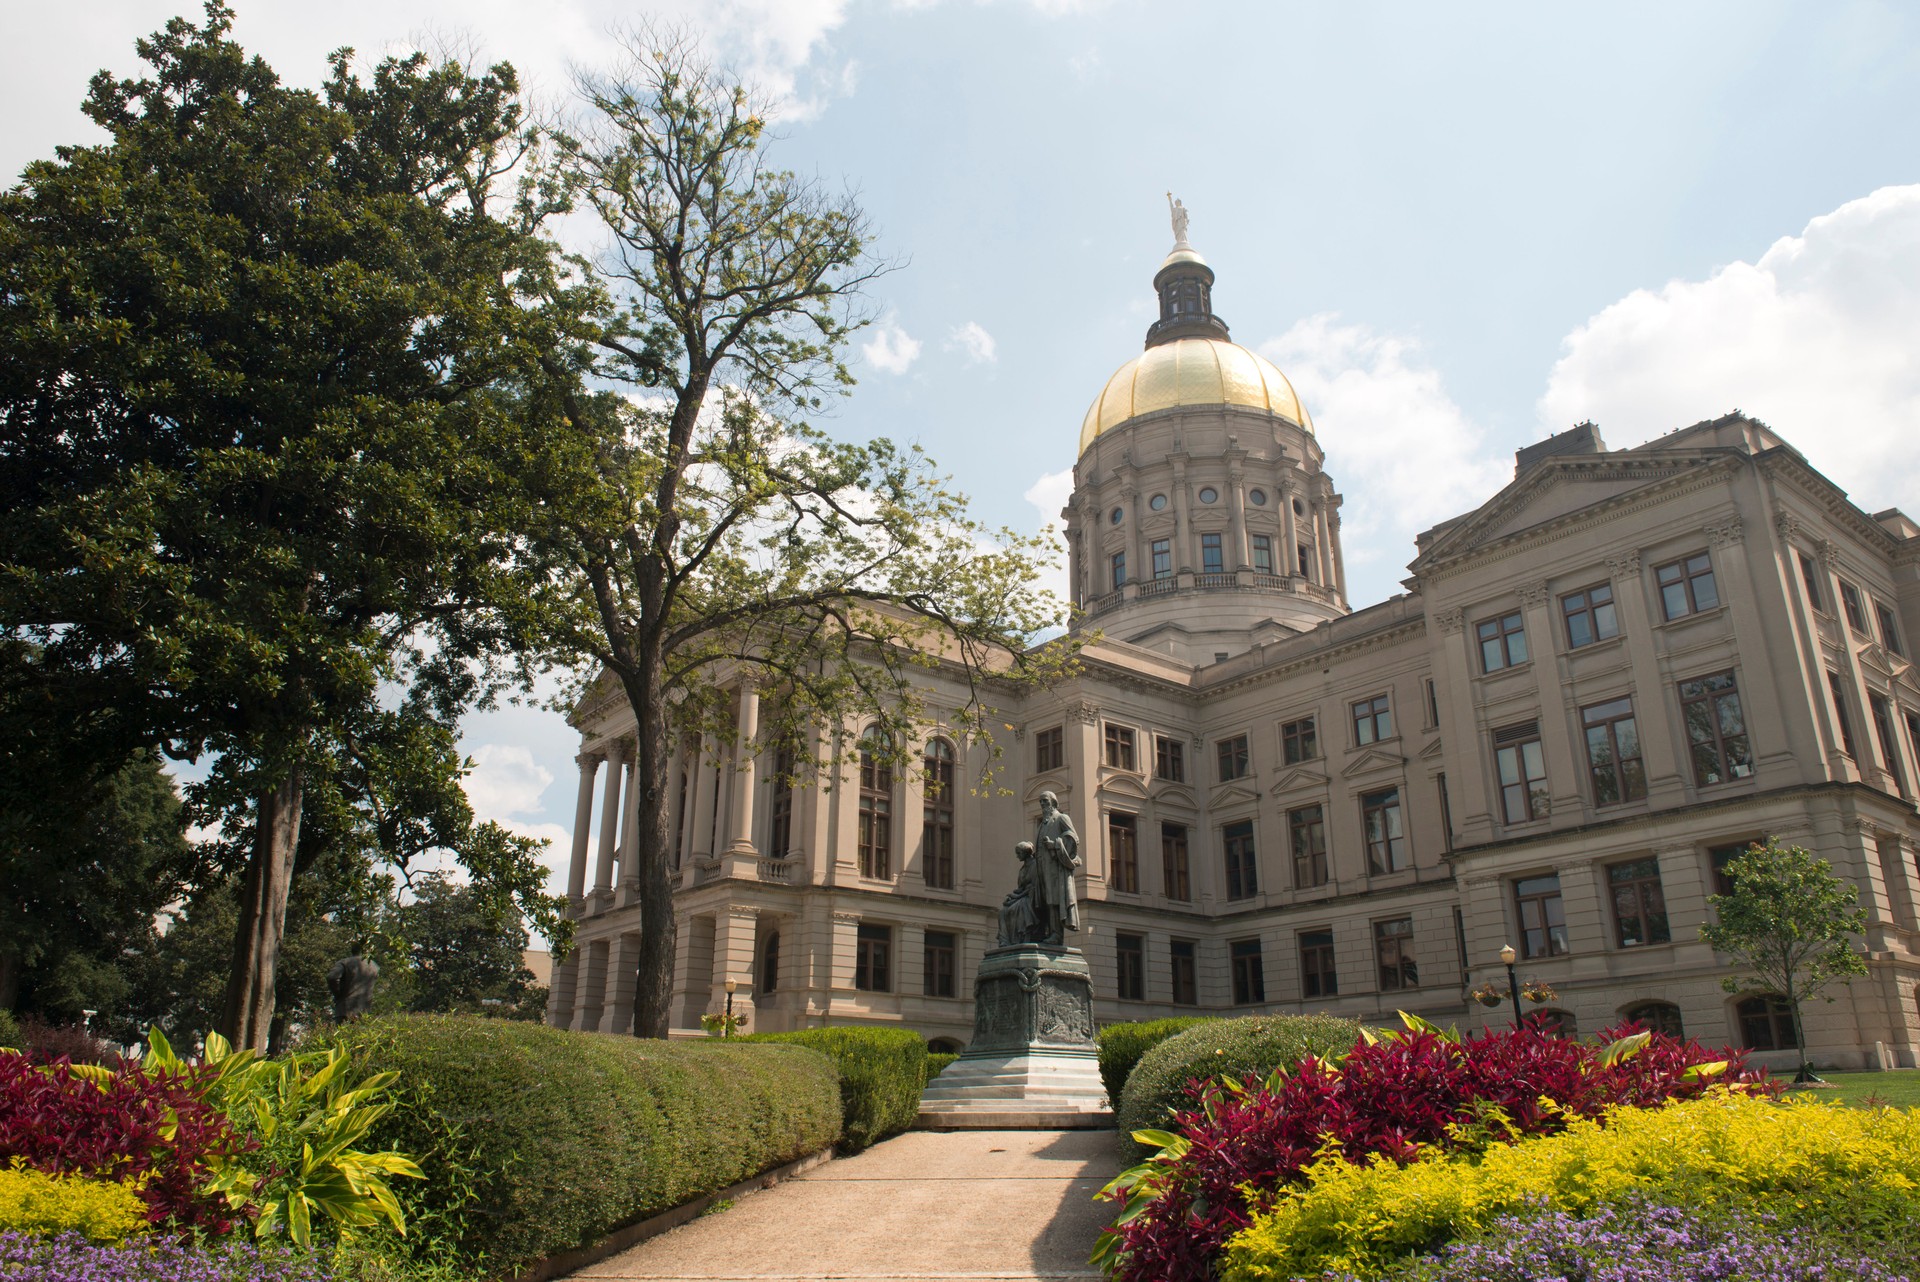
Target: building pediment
[(1175, 795), (1434, 751), (1228, 794), (1556, 488), (1373, 761), (1123, 785), (1301, 779), (1058, 787)]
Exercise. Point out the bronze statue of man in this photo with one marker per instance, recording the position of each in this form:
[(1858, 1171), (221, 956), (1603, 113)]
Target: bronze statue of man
[(1057, 856)]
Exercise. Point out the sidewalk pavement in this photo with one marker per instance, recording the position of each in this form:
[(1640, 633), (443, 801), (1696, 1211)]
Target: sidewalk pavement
[(962, 1206)]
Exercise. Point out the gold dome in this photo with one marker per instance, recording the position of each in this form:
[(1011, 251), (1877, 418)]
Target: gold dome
[(1191, 371)]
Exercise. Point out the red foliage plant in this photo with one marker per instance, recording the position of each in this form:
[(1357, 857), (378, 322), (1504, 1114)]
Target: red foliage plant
[(125, 1126), (66, 1041), (1391, 1098)]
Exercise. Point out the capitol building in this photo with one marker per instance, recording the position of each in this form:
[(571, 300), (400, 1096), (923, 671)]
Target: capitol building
[(1603, 682)]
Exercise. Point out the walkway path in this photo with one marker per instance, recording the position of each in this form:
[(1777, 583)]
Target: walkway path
[(968, 1206)]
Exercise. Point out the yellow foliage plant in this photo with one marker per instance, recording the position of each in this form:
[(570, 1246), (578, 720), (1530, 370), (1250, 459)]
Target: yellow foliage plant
[(34, 1202), (1806, 1162)]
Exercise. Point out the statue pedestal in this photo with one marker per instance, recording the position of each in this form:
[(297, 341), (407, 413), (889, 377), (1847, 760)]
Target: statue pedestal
[(1031, 1064)]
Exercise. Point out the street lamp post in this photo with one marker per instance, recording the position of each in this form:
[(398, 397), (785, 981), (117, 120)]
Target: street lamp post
[(727, 1030), (1507, 956)]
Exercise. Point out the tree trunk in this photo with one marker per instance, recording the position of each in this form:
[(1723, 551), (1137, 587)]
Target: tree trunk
[(653, 984), (248, 1018)]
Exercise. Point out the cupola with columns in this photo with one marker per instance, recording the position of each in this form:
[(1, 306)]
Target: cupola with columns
[(1201, 522)]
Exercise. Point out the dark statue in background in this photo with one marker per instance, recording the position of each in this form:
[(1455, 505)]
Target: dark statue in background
[(351, 982), (1042, 907)]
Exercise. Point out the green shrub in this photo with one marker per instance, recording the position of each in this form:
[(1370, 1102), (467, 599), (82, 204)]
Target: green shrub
[(937, 1062), (11, 1038), (1122, 1045), (1224, 1048), (882, 1072), (47, 1205), (535, 1140)]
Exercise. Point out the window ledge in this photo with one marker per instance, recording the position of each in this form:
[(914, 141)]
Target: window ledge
[(1613, 642), (1681, 620), (1507, 671)]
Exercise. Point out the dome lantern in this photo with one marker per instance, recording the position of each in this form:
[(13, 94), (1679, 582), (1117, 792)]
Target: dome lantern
[(1185, 285)]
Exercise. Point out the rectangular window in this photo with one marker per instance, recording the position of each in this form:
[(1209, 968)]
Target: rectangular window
[(1307, 835), (1716, 730), (873, 958), (1913, 732), (1299, 741), (1169, 759), (1300, 553), (1317, 975), (1233, 758), (1049, 750), (1123, 853), (1810, 576), (1719, 857), (1386, 835), (1249, 972), (1613, 752), (1162, 559), (1243, 880), (1186, 986), (1523, 772), (1372, 721), (1393, 946), (1446, 813), (1686, 586), (1130, 955), (1503, 642), (780, 821), (1119, 747), (1839, 693), (1119, 563), (1589, 615), (876, 817), (1639, 906), (1211, 561), (1173, 862), (1433, 705), (1850, 605), (1889, 630), (1543, 923), (1889, 745), (936, 829), (1263, 554), (942, 948)]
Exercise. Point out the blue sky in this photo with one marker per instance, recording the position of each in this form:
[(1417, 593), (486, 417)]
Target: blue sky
[(1455, 227)]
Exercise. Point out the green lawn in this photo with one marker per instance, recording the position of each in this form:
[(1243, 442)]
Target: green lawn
[(1900, 1088)]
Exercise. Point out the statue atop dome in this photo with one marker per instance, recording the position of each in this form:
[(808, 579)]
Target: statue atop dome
[(1179, 213)]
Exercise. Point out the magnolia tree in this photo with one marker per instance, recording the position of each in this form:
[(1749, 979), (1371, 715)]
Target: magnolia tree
[(690, 523), (1791, 922)]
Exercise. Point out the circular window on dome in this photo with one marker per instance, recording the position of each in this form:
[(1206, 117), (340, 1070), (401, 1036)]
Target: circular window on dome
[(1257, 497), (1119, 515), (1299, 508), (1158, 502), (1209, 495)]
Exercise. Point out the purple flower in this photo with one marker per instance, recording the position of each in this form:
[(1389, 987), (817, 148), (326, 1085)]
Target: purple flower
[(71, 1258)]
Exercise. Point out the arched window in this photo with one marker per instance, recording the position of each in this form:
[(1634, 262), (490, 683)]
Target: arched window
[(943, 1046), (1766, 1023), (769, 965), (780, 813), (1657, 1017), (876, 808), (936, 842)]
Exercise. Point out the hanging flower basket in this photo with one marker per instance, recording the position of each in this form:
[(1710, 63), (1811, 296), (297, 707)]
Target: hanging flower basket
[(1487, 995)]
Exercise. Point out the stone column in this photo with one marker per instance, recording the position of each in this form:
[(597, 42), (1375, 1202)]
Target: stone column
[(593, 986), (1333, 546), (700, 788), (1136, 546), (582, 830), (733, 934), (622, 979), (1182, 556), (1323, 543), (1237, 498), (1290, 530), (610, 816), (740, 812), (630, 833)]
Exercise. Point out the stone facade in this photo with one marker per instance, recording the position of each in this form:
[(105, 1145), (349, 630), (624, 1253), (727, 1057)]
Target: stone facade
[(1622, 664)]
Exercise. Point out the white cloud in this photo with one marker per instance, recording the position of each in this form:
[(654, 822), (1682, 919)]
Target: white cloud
[(1404, 454), (974, 340), (505, 781), (890, 348), (1817, 338), (1048, 495)]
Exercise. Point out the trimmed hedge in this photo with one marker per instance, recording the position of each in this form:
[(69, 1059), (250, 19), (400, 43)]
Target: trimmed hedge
[(11, 1038), (937, 1062), (1122, 1045), (1224, 1048), (535, 1140), (882, 1072)]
